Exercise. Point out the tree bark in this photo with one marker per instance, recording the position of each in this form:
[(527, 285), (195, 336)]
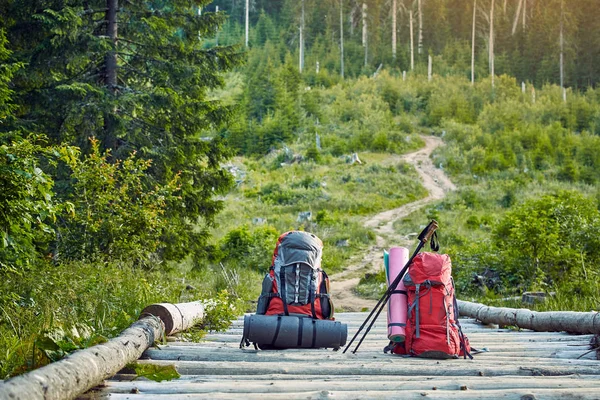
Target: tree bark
[(491, 46), (420, 12), (301, 61), (176, 317), (111, 31), (394, 11), (364, 23), (247, 20), (473, 43), (110, 73), (517, 14), (342, 38), (412, 41), (562, 51), (84, 369), (430, 68), (365, 33), (549, 321)]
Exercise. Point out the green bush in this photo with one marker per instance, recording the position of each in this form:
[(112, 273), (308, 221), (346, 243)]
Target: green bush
[(250, 249), (27, 205), (116, 214), (548, 238)]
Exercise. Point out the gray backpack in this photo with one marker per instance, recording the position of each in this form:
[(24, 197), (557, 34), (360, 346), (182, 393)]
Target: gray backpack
[(295, 283)]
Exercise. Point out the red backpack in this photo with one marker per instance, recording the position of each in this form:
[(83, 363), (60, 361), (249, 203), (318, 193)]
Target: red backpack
[(432, 327), (295, 283)]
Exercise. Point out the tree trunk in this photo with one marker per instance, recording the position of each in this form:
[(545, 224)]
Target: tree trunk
[(365, 33), (84, 369), (549, 321), (110, 73), (430, 68), (87, 368), (247, 20), (342, 38), (492, 42), (110, 79), (412, 41), (176, 317), (562, 51), (301, 61), (394, 10), (516, 20), (217, 31), (473, 43), (420, 12)]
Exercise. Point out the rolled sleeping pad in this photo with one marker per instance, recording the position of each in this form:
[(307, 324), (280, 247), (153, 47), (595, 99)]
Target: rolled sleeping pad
[(285, 332), (397, 304), (386, 264)]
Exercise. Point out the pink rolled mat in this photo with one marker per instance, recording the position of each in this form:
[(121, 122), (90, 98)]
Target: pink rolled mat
[(397, 304)]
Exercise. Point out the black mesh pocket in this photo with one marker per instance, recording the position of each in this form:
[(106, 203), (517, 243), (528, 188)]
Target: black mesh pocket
[(265, 296)]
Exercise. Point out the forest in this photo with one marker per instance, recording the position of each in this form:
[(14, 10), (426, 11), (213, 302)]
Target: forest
[(153, 151)]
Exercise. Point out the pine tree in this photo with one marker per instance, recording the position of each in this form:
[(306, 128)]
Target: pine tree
[(136, 75)]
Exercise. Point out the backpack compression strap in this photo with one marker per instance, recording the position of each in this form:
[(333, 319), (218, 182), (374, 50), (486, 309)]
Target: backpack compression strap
[(461, 335), (283, 292), (312, 296)]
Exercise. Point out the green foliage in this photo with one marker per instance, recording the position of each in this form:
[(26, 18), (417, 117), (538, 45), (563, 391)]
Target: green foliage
[(156, 373), (220, 310), (157, 107), (74, 305), (251, 249), (548, 238), (115, 215), (57, 343), (372, 286), (27, 207)]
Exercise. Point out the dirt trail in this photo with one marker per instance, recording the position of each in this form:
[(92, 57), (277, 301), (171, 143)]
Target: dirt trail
[(437, 184)]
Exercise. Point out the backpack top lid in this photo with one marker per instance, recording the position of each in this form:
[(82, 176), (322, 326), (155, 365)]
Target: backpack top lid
[(298, 247), (431, 267)]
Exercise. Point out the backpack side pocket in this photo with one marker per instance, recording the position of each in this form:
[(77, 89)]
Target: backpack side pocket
[(265, 296)]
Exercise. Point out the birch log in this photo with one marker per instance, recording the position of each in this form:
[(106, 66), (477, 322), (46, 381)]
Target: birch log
[(84, 369), (176, 317), (547, 321)]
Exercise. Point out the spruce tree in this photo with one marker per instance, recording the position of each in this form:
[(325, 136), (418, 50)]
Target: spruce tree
[(137, 75)]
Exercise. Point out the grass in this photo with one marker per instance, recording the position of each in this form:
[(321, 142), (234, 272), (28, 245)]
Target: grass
[(337, 194)]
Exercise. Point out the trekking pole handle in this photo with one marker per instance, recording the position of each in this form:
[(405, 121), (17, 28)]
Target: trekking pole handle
[(429, 231)]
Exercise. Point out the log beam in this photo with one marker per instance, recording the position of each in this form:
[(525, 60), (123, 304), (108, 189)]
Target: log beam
[(547, 321), (84, 369), (176, 317)]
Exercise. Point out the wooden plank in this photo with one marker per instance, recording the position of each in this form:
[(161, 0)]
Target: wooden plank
[(234, 354), (519, 363), (520, 394), (391, 367), (394, 384)]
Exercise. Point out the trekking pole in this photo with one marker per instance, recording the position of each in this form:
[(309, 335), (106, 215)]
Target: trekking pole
[(424, 236)]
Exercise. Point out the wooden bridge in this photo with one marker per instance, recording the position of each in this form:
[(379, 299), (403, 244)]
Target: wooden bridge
[(517, 365)]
